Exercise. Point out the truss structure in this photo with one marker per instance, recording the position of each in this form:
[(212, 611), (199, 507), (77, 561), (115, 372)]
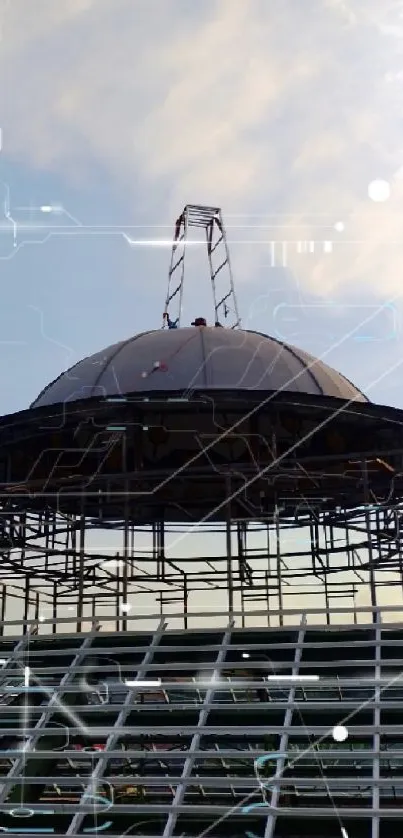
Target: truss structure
[(106, 526), (201, 505), (210, 220), (227, 731), (57, 568)]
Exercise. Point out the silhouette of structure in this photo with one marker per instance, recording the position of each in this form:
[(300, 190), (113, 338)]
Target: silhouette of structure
[(195, 511)]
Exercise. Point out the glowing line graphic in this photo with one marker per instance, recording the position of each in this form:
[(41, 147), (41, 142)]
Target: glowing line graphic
[(105, 825), (26, 831), (258, 762), (25, 812)]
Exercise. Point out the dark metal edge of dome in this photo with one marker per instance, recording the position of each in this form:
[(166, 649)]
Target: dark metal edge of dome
[(120, 346), (294, 351)]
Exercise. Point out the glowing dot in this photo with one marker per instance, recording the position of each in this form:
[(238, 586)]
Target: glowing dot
[(379, 190), (340, 733), (144, 374), (156, 364), (125, 607), (339, 226), (46, 209), (245, 655)]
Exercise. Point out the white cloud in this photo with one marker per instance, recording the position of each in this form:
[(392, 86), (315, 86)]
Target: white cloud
[(257, 106)]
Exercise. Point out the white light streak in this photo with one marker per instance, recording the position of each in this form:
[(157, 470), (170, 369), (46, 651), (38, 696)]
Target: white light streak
[(293, 677), (158, 242), (143, 683), (27, 673)]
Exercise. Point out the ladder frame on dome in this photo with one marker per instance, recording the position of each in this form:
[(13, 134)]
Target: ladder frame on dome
[(210, 219)]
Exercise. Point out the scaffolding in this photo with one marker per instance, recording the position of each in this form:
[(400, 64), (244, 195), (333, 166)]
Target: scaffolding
[(104, 527), (192, 598)]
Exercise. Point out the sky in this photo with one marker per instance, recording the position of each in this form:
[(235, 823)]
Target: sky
[(285, 114)]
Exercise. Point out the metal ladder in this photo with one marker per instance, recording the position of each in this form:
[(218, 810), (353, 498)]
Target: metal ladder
[(225, 303)]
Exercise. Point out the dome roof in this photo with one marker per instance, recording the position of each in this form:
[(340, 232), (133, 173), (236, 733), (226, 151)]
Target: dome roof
[(197, 359)]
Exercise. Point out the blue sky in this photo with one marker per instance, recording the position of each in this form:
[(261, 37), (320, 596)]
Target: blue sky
[(281, 113)]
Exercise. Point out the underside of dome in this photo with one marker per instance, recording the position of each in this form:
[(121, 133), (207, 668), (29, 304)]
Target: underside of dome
[(198, 358)]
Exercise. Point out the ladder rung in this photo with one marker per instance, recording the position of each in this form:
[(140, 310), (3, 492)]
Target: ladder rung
[(223, 299), (212, 249), (176, 265), (174, 294), (219, 269), (201, 216)]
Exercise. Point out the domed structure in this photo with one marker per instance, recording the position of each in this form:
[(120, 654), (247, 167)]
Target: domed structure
[(197, 359), (287, 484)]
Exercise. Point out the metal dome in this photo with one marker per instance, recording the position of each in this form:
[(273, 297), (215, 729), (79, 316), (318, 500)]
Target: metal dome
[(197, 359)]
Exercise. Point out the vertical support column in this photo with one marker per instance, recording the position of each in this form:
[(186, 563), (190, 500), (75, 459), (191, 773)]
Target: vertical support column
[(377, 721), (229, 545), (278, 565), (327, 566), (54, 612), (241, 560), (26, 604), (161, 545), (267, 582), (36, 617), (125, 553), (372, 583), (275, 794), (3, 608), (46, 534), (93, 608), (81, 567), (117, 601), (185, 601), (268, 572), (74, 545), (195, 743)]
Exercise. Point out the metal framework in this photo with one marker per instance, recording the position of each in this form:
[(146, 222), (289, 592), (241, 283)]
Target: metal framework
[(225, 304), (201, 506), (234, 736), (94, 521)]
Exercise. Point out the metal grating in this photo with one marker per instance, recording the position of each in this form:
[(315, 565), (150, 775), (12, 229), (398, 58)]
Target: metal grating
[(83, 752)]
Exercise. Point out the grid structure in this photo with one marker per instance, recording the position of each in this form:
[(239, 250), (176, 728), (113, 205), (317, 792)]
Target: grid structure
[(220, 732)]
